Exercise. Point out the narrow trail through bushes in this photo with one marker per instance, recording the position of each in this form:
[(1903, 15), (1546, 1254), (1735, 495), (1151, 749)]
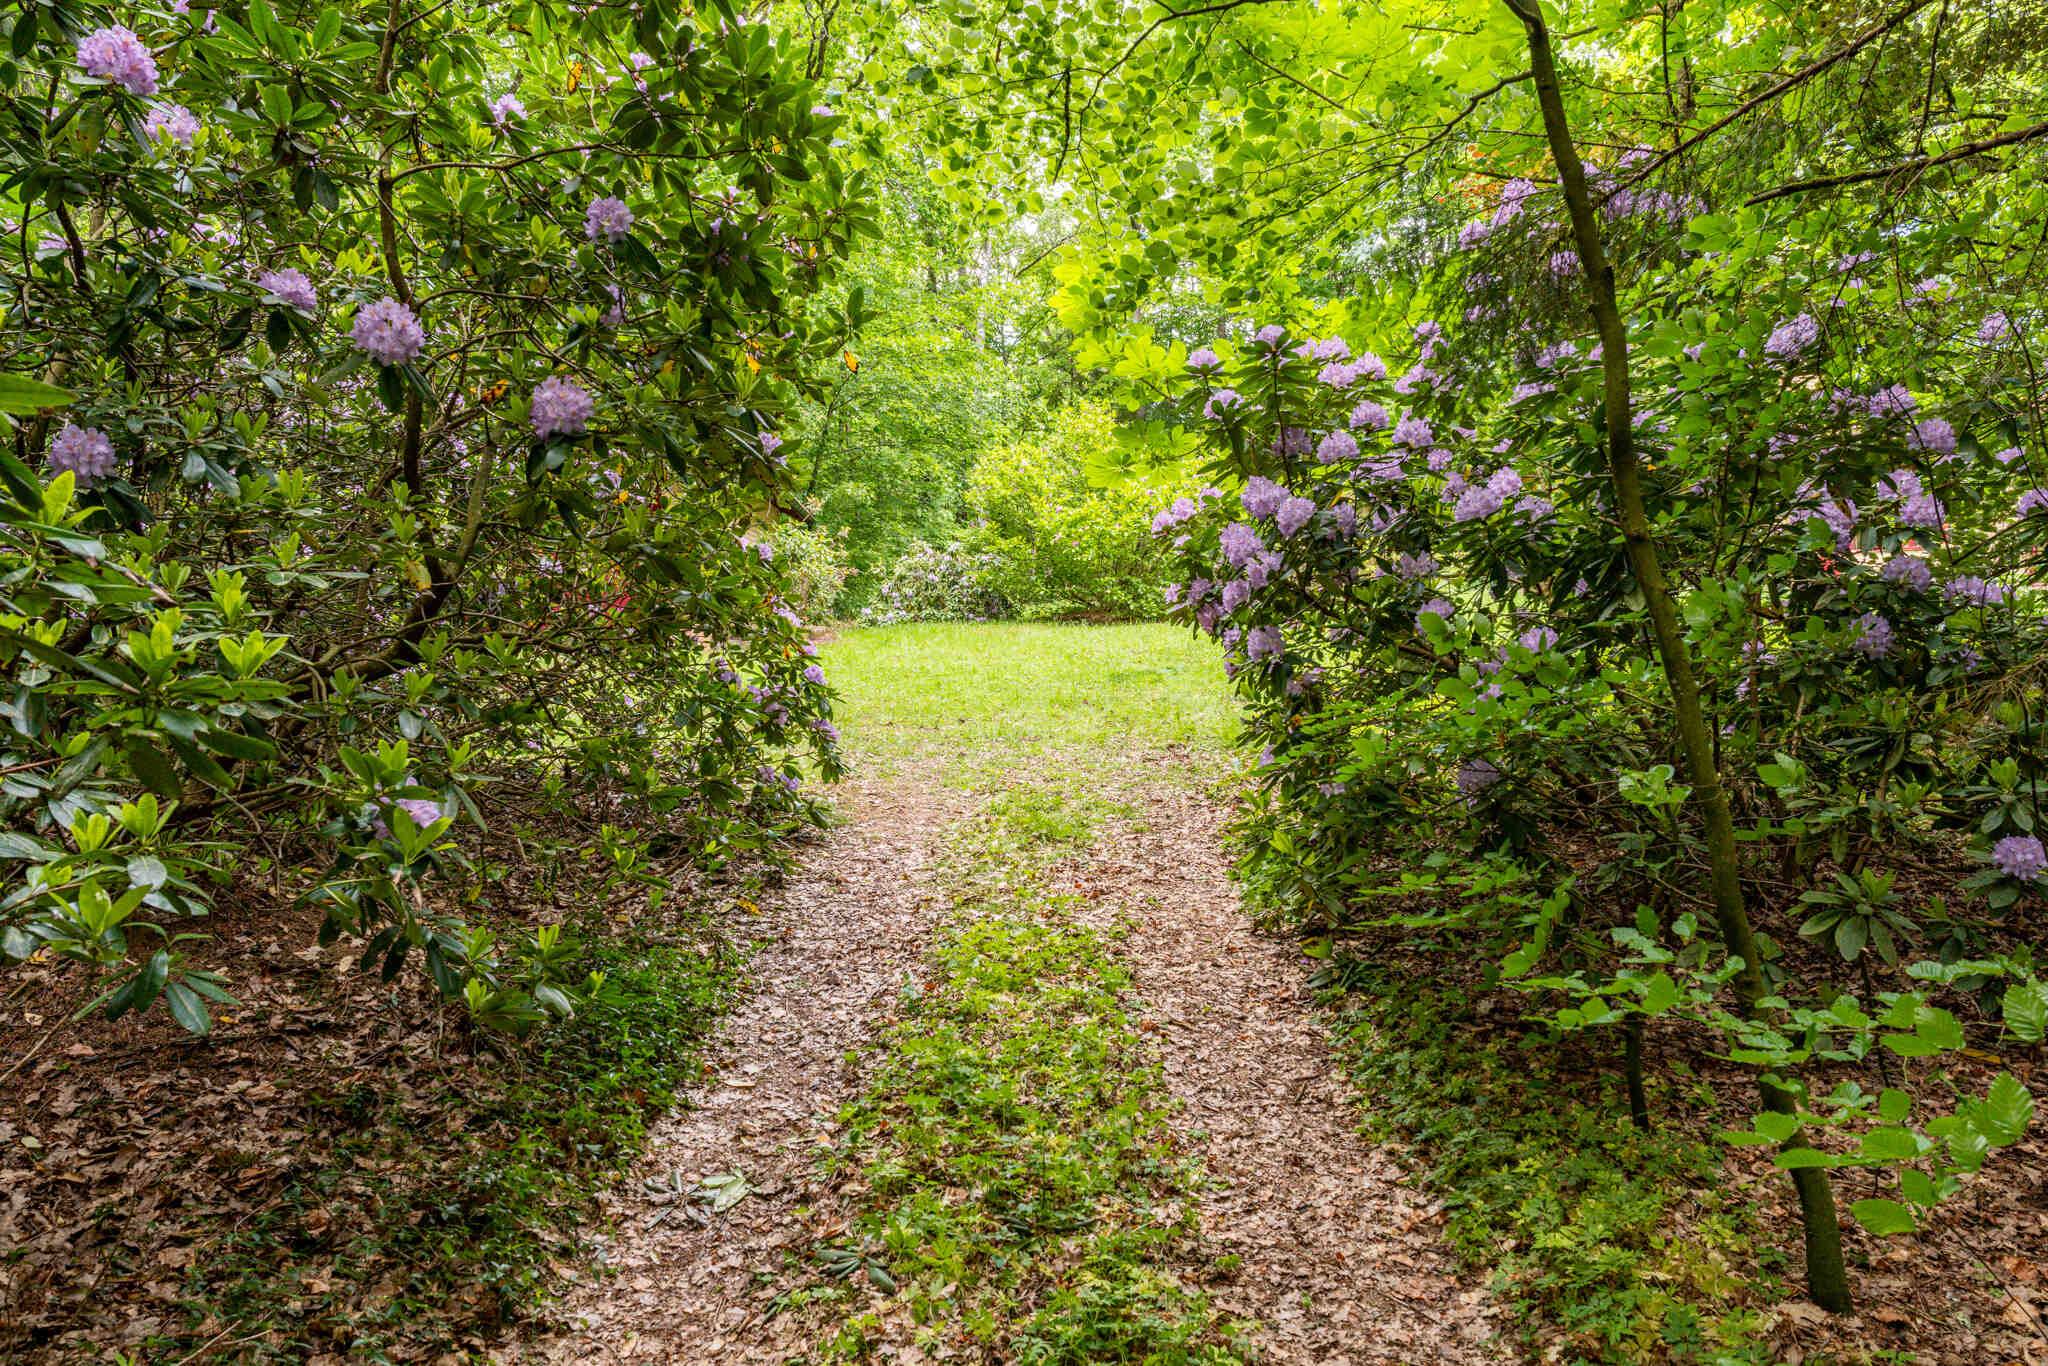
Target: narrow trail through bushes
[(1305, 1229)]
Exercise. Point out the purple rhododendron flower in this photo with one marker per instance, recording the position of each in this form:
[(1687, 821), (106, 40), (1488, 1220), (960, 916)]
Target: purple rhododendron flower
[(1370, 366), (1336, 446), (1262, 497), (1793, 338), (1221, 402), (506, 107), (419, 810), (1338, 375), (1504, 482), (2008, 455), (388, 332), (1292, 441), (1204, 359), (1239, 543), (1537, 639), (2020, 856), (2034, 502), (116, 54), (1513, 196), (1475, 503), (1172, 515), (1236, 594), (1972, 591), (1909, 570), (1900, 485), (1534, 509), (561, 408), (1421, 377), (1270, 335), (1294, 514), (1413, 432), (1932, 434), (1344, 519), (1922, 510), (1439, 608), (1995, 328), (1895, 401), (1370, 416), (291, 286), (1263, 643), (85, 452), (1386, 468), (1873, 636), (1416, 566), (607, 219), (172, 120), (815, 676), (1262, 568)]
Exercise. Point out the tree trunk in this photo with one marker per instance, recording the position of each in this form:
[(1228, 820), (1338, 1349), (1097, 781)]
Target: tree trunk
[(1826, 1278)]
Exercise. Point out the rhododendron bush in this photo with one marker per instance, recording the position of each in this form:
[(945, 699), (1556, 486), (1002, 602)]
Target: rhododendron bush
[(1420, 565), (393, 399)]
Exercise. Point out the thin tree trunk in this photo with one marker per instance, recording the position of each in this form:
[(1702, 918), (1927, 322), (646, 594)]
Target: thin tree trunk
[(1632, 1051), (1826, 1277)]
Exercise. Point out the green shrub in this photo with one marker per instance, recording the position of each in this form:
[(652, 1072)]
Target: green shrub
[(1063, 544), (815, 558)]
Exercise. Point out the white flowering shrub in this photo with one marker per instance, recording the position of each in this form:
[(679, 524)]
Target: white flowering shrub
[(938, 583), (389, 387)]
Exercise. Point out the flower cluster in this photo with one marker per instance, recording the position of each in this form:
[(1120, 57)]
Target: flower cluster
[(291, 287), (607, 220), (561, 408), (174, 121), (388, 333), (116, 54), (85, 452)]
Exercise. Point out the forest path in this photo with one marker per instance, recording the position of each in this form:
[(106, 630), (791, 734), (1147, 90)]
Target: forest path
[(1304, 1226)]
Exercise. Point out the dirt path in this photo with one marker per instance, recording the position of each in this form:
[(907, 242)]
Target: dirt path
[(1340, 1263), (846, 930)]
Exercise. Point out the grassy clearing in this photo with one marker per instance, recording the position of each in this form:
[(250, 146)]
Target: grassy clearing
[(1549, 1186), (1022, 1189), (984, 693)]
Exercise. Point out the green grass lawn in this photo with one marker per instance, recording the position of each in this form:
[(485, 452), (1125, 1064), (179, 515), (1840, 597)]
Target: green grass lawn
[(987, 693)]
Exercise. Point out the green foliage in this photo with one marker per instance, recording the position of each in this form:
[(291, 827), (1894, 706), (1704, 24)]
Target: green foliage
[(959, 354), (1062, 544), (1546, 1183), (261, 588)]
